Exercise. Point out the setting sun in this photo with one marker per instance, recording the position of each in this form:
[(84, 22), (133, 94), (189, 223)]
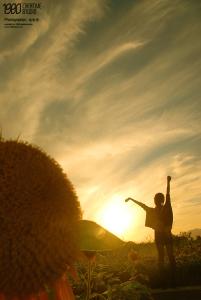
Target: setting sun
[(116, 216)]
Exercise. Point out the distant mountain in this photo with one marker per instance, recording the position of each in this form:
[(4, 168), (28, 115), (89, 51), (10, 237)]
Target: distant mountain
[(195, 232), (95, 237)]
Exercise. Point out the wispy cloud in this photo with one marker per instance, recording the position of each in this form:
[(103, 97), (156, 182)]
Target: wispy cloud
[(29, 63)]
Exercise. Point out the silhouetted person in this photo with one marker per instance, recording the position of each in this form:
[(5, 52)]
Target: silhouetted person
[(160, 219)]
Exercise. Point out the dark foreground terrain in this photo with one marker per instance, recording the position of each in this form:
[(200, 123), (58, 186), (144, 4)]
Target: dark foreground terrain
[(130, 272)]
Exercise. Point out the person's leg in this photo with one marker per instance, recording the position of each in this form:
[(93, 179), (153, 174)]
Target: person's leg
[(161, 268), (160, 249), (172, 262), (170, 254), (159, 240), (161, 254)]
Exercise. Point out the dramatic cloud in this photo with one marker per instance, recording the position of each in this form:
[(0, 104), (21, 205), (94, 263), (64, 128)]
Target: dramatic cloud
[(111, 89)]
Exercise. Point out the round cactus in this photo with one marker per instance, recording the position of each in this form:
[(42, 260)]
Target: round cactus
[(39, 214)]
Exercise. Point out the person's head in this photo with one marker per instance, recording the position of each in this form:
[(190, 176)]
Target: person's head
[(159, 199)]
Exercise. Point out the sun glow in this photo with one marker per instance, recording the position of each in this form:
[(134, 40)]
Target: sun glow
[(117, 216)]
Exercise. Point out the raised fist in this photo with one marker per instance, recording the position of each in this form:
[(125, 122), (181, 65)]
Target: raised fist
[(169, 178)]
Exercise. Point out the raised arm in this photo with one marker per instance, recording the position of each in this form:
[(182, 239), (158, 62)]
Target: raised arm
[(168, 191), (168, 213), (138, 203), (168, 185)]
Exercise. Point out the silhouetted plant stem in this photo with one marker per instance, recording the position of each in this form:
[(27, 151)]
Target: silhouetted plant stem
[(89, 281)]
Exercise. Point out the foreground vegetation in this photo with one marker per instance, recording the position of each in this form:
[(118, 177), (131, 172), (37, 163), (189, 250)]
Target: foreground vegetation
[(130, 272)]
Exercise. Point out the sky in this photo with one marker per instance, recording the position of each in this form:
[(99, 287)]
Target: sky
[(111, 89)]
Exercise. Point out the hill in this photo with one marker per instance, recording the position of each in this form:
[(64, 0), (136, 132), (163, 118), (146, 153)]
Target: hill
[(195, 232), (95, 237)]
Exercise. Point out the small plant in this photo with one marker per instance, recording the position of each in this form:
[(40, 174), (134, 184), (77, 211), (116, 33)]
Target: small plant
[(129, 290)]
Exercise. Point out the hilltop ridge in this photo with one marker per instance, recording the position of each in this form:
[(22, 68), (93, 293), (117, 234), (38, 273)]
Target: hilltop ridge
[(94, 237)]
